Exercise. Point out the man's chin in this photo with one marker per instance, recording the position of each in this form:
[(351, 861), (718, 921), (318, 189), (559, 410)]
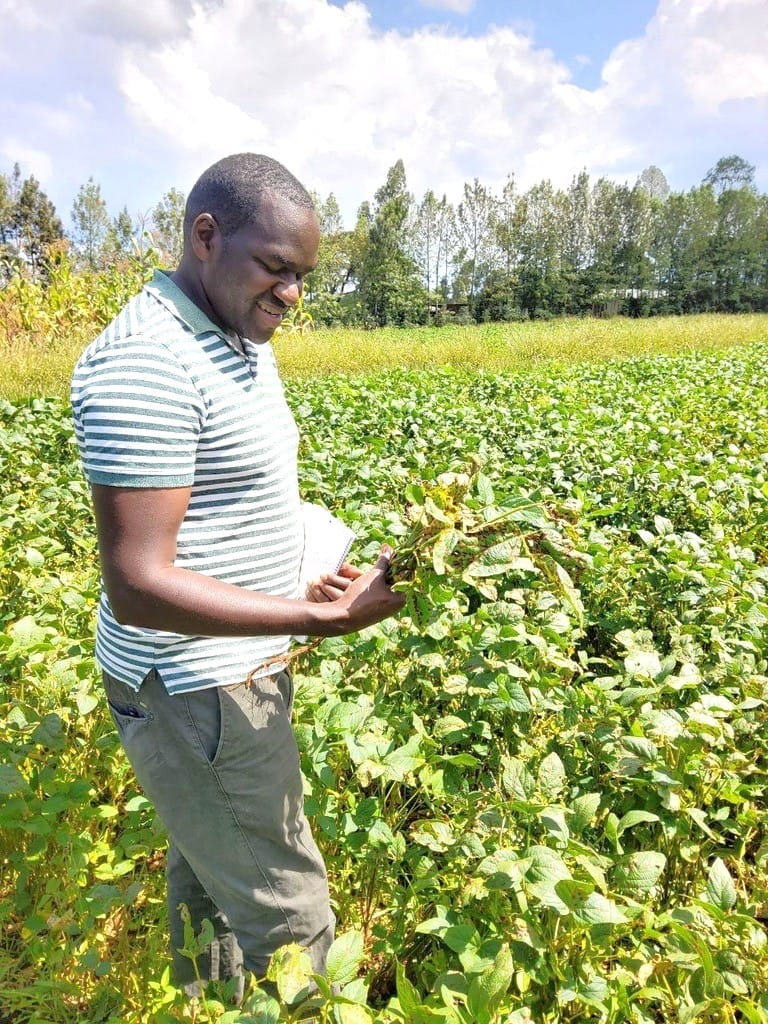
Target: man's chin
[(261, 332)]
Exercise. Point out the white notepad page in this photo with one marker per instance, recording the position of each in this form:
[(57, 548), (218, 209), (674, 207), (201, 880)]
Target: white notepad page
[(327, 541)]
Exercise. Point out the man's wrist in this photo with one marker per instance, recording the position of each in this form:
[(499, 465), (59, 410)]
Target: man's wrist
[(326, 618)]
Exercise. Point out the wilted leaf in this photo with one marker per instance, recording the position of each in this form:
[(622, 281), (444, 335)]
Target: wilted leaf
[(291, 970)]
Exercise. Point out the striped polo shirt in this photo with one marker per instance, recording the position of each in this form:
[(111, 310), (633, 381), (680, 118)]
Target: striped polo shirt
[(164, 398)]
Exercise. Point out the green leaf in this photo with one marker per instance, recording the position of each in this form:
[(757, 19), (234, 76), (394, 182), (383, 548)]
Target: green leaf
[(356, 990), (407, 995), (720, 890), (504, 863), (546, 869), (553, 819), (495, 560), (435, 835), (598, 909), (34, 558), (517, 780), (86, 702), (262, 1007), (552, 776), (50, 732), (646, 664), (582, 811), (26, 635), (516, 697), (639, 872), (634, 818), (403, 761), (11, 780), (460, 937), (344, 958)]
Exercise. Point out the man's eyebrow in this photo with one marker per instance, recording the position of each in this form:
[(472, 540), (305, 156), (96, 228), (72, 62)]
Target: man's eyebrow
[(288, 264)]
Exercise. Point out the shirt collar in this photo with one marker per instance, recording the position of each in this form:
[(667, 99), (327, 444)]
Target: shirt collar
[(183, 308)]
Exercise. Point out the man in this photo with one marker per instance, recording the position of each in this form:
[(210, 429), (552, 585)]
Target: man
[(191, 452)]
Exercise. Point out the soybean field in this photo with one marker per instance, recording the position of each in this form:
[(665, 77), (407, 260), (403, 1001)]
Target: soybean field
[(540, 790)]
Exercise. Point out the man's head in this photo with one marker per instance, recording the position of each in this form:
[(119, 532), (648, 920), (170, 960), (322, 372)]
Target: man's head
[(250, 236), (232, 190)]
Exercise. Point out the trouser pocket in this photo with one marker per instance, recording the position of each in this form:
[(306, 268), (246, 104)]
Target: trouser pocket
[(125, 703), (204, 716)]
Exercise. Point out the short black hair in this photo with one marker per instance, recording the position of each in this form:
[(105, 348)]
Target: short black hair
[(232, 188)]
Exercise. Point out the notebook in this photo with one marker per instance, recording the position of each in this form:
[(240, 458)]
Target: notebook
[(327, 541)]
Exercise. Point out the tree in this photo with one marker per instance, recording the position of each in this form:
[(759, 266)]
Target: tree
[(737, 250), (335, 263), (390, 291), (91, 224), (431, 239), (35, 224), (7, 251), (120, 237), (654, 183), (168, 227), (425, 238), (474, 226), (730, 172), (9, 189), (504, 225)]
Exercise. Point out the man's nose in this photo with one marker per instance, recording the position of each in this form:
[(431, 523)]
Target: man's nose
[(288, 292)]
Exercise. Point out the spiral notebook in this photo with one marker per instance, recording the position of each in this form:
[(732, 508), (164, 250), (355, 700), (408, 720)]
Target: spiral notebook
[(327, 541)]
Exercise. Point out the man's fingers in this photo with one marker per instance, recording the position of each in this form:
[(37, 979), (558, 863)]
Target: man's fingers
[(350, 572), (385, 557), (384, 563)]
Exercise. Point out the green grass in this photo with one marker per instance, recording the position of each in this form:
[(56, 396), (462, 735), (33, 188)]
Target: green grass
[(37, 369)]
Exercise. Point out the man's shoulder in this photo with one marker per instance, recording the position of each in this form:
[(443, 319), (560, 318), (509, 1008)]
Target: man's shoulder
[(142, 325), (141, 317)]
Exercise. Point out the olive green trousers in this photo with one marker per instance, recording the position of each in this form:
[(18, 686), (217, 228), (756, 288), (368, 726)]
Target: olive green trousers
[(221, 767)]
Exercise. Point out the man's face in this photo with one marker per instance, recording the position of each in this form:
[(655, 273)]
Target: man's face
[(257, 273)]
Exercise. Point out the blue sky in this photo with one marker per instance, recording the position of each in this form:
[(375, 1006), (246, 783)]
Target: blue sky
[(580, 34), (143, 97)]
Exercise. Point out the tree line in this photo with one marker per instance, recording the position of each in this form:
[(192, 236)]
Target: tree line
[(594, 247)]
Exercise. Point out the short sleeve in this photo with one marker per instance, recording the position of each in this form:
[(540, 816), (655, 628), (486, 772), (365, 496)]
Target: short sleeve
[(138, 415)]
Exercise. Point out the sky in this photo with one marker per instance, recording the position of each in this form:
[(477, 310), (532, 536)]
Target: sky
[(143, 97)]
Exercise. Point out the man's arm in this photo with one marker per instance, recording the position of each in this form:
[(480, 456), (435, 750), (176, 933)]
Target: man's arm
[(138, 529)]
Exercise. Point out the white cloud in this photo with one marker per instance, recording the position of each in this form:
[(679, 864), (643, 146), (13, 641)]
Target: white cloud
[(124, 20), (339, 102), (32, 161), (456, 6), (702, 53), (166, 89)]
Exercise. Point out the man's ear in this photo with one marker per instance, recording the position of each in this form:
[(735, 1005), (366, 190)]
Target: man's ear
[(205, 236)]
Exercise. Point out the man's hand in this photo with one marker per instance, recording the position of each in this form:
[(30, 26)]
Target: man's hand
[(368, 598), (330, 586), (365, 597), (138, 529)]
